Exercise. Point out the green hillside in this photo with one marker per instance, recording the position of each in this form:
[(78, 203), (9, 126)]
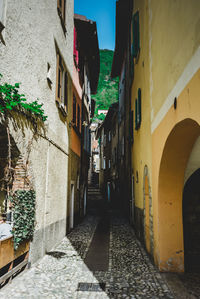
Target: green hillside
[(107, 92)]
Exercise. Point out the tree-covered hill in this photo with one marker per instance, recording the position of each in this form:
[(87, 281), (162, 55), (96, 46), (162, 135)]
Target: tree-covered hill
[(107, 92)]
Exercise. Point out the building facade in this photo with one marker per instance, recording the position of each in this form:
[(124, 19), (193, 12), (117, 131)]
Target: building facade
[(36, 49), (88, 69), (163, 43), (108, 136)]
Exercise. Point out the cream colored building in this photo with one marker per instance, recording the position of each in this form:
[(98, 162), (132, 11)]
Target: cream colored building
[(37, 51)]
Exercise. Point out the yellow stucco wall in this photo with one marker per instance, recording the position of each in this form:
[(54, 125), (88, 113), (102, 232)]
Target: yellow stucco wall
[(167, 67), (141, 153), (175, 37)]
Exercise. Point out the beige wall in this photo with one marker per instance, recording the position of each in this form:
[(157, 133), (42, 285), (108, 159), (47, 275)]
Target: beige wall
[(33, 28)]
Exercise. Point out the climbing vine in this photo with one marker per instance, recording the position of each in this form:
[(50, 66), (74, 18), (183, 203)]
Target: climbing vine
[(23, 202), (12, 100)]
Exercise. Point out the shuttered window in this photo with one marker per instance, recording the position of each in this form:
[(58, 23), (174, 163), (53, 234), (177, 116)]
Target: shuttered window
[(135, 35), (74, 109), (66, 90), (138, 115), (78, 119), (61, 83), (2, 19), (61, 6), (131, 126)]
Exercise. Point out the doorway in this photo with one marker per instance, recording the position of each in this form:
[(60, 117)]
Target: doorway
[(85, 201), (71, 214), (191, 222)]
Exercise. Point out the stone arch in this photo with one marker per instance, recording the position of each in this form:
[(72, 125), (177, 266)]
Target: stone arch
[(148, 217), (177, 149)]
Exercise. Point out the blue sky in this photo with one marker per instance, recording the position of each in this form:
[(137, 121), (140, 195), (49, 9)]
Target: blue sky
[(103, 12)]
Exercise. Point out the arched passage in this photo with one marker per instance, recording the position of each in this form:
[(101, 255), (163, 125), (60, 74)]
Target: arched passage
[(174, 159), (191, 222)]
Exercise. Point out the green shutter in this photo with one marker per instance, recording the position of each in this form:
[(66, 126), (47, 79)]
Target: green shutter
[(136, 34), (139, 116), (131, 126), (136, 114), (137, 20)]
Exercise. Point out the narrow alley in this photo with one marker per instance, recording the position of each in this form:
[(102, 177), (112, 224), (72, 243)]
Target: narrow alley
[(100, 258)]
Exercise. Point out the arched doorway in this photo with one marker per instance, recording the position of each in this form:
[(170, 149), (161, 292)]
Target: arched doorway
[(176, 152), (191, 222)]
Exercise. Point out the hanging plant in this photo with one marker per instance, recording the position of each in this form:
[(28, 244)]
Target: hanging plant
[(12, 100), (23, 202)]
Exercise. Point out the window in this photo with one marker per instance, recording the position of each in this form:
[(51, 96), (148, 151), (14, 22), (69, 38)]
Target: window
[(104, 162), (138, 110), (78, 119), (61, 5), (131, 125), (74, 109), (135, 47), (109, 136), (2, 19), (62, 83), (104, 140)]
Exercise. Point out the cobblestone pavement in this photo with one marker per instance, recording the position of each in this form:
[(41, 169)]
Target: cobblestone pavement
[(63, 274)]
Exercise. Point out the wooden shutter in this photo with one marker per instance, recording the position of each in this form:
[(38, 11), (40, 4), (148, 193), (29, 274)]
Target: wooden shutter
[(66, 91), (78, 120), (63, 10), (59, 78), (74, 109)]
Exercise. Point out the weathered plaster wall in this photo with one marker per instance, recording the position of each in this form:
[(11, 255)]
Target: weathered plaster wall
[(174, 42), (141, 149), (173, 141), (167, 67), (32, 30)]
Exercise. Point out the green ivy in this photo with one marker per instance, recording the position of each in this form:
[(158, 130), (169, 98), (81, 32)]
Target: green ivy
[(11, 99), (23, 216)]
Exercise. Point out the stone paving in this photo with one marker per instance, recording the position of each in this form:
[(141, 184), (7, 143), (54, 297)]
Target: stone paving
[(62, 273)]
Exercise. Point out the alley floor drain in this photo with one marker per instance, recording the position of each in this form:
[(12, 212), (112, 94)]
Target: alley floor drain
[(91, 287)]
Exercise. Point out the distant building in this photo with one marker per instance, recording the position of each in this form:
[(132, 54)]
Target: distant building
[(88, 69), (102, 111), (107, 134)]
